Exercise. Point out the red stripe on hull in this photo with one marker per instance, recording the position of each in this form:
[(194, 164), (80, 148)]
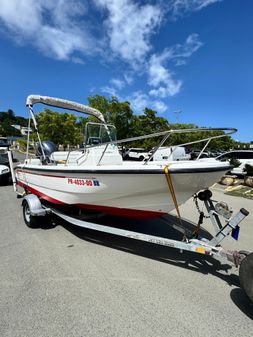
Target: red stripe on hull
[(40, 174), (40, 194), (127, 212), (20, 183), (132, 213)]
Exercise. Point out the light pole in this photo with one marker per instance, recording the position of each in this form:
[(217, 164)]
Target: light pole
[(177, 113)]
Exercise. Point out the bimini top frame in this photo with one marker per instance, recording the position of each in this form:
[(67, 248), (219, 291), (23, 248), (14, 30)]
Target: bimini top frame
[(64, 104), (58, 103)]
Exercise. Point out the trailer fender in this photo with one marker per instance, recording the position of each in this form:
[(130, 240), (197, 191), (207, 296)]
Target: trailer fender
[(35, 205)]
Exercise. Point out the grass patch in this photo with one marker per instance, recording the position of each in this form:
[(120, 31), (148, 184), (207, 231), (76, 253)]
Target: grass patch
[(240, 191)]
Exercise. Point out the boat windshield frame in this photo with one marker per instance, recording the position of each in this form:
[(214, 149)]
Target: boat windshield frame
[(109, 129)]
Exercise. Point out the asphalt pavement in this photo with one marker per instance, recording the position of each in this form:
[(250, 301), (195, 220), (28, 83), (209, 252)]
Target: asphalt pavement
[(68, 281)]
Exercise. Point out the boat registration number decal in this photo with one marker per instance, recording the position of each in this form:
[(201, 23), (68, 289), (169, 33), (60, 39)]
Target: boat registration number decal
[(83, 182)]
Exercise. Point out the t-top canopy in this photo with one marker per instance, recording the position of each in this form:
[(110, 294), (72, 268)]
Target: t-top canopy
[(65, 104)]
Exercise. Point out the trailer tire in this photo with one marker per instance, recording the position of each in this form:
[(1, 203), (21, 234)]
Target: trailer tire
[(31, 221), (246, 275)]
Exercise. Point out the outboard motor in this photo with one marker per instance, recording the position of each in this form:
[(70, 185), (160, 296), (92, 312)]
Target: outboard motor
[(48, 148)]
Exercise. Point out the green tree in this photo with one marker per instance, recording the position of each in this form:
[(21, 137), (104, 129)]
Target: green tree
[(148, 123), (11, 114), (60, 128), (222, 143), (8, 118), (117, 113), (81, 122)]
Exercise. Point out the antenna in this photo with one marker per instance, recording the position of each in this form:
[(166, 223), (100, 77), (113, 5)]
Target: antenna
[(177, 113)]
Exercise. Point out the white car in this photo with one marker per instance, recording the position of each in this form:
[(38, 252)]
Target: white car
[(244, 156), (172, 153), (136, 153), (4, 166), (4, 174)]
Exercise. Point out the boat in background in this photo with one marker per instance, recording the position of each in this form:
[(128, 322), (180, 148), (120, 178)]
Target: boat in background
[(96, 178)]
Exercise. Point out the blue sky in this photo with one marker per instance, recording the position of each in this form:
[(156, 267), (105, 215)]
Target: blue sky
[(192, 55)]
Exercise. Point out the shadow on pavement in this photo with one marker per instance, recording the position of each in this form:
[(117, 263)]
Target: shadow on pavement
[(242, 302), (192, 261)]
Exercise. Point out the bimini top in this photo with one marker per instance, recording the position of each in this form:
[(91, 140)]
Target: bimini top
[(65, 104)]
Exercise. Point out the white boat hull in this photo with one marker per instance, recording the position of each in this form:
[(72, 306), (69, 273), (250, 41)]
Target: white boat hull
[(142, 192), (95, 176)]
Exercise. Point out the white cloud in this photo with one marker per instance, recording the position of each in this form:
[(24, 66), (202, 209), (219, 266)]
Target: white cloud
[(161, 78), (58, 43), (51, 26), (179, 62), (77, 60), (139, 101), (181, 7), (60, 29), (159, 106), (109, 90), (20, 15), (171, 88), (115, 85), (181, 51), (129, 78), (130, 27), (119, 84)]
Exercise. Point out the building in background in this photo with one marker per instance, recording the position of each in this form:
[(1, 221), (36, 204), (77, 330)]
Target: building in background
[(23, 129)]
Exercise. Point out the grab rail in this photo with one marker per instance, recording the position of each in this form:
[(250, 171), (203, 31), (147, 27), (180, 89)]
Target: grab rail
[(167, 134)]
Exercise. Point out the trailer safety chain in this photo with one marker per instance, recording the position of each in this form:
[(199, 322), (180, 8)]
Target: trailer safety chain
[(195, 232), (195, 199)]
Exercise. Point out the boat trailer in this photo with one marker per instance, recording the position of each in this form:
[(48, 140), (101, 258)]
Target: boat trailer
[(34, 210)]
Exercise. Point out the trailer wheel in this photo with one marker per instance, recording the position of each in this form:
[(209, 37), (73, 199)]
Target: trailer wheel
[(246, 275), (31, 221)]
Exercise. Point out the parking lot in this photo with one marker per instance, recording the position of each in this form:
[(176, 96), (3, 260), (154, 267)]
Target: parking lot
[(67, 281)]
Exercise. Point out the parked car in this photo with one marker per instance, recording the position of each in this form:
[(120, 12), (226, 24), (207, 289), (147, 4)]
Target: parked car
[(244, 156), (194, 155), (216, 153), (173, 153), (4, 159), (4, 142), (4, 174), (135, 153)]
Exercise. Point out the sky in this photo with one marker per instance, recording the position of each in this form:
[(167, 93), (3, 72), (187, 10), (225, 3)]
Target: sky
[(193, 56)]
